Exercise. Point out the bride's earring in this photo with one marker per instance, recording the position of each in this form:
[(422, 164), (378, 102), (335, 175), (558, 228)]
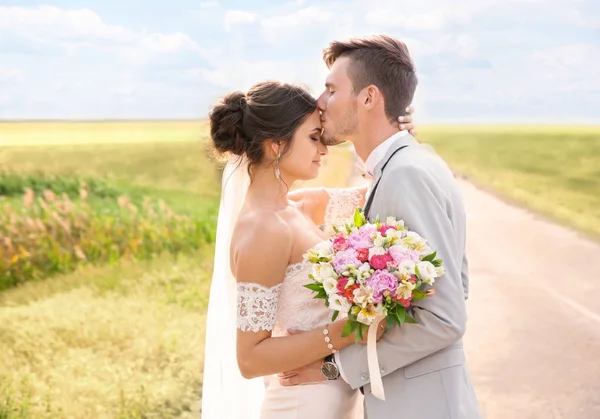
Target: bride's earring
[(277, 171)]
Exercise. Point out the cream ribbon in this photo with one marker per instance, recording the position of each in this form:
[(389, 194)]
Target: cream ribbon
[(373, 361)]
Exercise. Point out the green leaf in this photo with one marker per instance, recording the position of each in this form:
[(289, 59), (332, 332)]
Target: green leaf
[(409, 319), (314, 287), (347, 329), (359, 219), (430, 257), (322, 294), (335, 315), (437, 263), (418, 295), (417, 272), (390, 321), (400, 315)]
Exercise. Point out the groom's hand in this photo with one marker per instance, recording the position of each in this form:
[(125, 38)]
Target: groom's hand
[(310, 373)]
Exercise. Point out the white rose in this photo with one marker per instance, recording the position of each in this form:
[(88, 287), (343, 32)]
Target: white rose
[(330, 285), (325, 248), (339, 303), (326, 271), (407, 268), (440, 271), (427, 272)]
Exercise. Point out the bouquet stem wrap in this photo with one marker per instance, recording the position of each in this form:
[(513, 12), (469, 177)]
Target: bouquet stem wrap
[(373, 361)]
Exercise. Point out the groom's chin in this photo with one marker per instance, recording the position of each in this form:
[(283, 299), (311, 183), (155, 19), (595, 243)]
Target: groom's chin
[(333, 141)]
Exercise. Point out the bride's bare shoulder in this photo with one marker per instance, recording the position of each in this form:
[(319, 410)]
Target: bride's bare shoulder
[(261, 246)]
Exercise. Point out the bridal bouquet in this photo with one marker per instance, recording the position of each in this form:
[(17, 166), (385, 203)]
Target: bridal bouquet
[(371, 271)]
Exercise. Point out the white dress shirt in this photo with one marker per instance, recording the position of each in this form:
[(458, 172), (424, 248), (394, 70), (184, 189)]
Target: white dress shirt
[(372, 161)]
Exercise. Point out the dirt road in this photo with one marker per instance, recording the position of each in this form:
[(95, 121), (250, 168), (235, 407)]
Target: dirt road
[(533, 337)]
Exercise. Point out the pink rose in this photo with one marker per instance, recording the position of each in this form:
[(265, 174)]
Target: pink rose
[(341, 285), (340, 244), (405, 301), (380, 261), (385, 228), (362, 255)]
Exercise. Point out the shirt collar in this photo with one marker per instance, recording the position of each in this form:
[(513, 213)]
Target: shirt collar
[(380, 151)]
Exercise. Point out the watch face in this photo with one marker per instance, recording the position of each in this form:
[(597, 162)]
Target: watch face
[(330, 370)]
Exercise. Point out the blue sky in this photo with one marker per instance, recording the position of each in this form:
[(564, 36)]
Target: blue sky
[(514, 61)]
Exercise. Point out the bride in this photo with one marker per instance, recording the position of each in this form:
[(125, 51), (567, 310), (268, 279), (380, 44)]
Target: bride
[(273, 135)]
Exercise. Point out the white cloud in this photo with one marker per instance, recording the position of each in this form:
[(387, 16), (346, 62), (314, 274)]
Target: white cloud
[(500, 59), (75, 29), (10, 74), (236, 17), (209, 5)]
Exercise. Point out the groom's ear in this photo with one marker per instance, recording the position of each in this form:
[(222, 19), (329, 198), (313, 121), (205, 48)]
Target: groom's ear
[(372, 96)]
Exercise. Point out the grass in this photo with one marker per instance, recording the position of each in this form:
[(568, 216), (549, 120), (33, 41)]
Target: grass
[(122, 341), (72, 133), (113, 342), (551, 170)]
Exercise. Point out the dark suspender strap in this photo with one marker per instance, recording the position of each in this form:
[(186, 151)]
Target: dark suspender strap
[(372, 194)]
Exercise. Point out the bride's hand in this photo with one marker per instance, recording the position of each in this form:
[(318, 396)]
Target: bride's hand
[(405, 121)]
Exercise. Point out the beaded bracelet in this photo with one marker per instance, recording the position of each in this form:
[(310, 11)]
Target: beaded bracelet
[(328, 340)]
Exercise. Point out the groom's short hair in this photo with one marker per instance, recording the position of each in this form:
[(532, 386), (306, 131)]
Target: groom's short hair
[(382, 61)]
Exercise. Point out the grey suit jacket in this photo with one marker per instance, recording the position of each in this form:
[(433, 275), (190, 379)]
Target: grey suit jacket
[(423, 365)]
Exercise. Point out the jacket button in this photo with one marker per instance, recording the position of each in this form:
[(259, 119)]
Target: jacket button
[(382, 369), (364, 377)]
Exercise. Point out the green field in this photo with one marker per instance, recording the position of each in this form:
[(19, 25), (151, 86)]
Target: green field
[(554, 171)]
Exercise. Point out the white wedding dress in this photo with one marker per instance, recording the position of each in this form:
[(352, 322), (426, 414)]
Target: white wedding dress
[(296, 308), (225, 393)]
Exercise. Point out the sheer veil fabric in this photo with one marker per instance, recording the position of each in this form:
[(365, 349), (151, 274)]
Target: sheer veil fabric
[(225, 393)]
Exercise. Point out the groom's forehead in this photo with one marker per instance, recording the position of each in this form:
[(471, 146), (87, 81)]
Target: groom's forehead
[(338, 71)]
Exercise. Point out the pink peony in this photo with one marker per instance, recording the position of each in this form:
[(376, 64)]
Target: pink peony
[(401, 254), (380, 261), (362, 238), (342, 259), (339, 244), (382, 282)]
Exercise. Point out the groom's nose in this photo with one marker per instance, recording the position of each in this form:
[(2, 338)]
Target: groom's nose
[(321, 102)]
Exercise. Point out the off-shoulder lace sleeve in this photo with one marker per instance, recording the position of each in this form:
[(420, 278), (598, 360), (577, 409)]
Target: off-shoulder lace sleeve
[(256, 306), (341, 206)]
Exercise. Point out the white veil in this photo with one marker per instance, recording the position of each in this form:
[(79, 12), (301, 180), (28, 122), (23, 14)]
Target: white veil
[(225, 393)]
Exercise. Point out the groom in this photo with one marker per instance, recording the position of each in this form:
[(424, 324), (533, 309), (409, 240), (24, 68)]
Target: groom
[(371, 82)]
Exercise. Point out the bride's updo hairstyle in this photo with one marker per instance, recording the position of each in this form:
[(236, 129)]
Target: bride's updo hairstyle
[(241, 122)]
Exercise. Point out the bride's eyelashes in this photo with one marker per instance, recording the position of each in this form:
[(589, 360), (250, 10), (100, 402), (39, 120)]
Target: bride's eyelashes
[(315, 138)]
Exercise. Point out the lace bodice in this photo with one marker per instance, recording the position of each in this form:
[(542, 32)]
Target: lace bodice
[(341, 206)]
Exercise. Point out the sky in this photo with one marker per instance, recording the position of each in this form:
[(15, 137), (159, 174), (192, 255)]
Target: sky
[(478, 61)]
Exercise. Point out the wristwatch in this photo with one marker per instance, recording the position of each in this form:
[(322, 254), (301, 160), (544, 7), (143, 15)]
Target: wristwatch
[(329, 369)]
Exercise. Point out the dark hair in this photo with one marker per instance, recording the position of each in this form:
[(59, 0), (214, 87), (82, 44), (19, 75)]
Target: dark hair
[(241, 122), (382, 61)]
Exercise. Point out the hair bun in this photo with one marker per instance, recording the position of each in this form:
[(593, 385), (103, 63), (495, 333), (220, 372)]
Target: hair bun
[(227, 124)]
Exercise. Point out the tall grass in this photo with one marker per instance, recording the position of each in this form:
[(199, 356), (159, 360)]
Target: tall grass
[(50, 234)]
